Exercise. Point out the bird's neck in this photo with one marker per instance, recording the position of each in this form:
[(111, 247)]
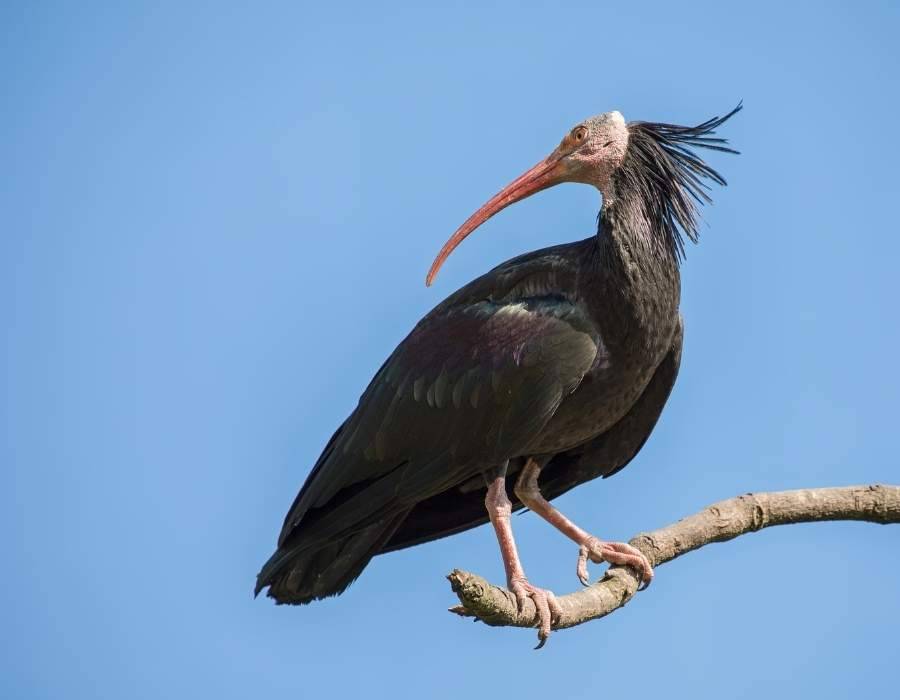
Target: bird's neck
[(636, 276), (627, 233)]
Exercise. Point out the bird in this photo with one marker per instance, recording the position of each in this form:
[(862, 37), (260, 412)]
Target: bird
[(546, 372)]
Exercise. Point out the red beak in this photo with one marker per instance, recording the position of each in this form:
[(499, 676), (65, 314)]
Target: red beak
[(545, 174)]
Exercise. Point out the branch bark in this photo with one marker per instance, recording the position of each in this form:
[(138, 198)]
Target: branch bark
[(719, 522)]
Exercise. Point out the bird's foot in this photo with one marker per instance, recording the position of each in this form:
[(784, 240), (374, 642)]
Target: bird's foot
[(614, 553), (548, 610)]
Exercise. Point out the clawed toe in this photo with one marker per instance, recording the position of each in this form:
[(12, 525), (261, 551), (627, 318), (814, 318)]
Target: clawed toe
[(548, 609), (581, 569), (615, 553)]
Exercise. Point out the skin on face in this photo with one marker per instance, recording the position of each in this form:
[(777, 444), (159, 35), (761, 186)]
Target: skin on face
[(589, 154), (593, 149)]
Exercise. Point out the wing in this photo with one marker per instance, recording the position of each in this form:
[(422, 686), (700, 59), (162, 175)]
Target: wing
[(452, 511), (611, 452), (472, 384)]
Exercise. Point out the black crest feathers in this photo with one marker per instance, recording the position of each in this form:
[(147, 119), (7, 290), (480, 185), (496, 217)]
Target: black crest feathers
[(662, 169)]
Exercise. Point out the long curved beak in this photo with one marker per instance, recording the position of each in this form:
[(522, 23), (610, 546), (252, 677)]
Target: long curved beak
[(550, 171)]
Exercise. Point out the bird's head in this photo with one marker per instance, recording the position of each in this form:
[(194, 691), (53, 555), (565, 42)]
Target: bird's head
[(590, 152), (653, 160)]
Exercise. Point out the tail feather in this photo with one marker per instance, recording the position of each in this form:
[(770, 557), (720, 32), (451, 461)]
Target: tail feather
[(297, 575)]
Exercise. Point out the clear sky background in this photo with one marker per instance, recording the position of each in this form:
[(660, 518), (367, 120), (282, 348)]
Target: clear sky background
[(216, 221)]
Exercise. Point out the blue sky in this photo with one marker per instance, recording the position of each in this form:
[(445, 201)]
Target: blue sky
[(216, 222)]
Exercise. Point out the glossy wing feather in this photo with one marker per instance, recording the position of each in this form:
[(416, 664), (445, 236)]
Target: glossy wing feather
[(454, 511), (467, 389)]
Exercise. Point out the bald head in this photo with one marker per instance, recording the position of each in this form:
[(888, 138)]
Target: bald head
[(593, 149)]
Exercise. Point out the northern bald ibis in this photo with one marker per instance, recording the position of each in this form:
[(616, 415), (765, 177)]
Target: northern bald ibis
[(546, 372)]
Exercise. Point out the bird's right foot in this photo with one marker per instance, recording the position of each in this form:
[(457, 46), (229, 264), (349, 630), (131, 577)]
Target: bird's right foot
[(548, 610)]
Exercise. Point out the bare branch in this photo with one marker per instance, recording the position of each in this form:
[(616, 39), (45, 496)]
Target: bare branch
[(719, 522)]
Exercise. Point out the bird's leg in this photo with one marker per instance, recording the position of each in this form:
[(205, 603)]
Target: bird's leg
[(589, 547), (499, 510)]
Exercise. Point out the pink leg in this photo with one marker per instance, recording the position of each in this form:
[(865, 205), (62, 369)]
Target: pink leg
[(589, 547), (499, 510)]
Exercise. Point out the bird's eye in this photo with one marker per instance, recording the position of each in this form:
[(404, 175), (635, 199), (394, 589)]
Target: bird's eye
[(579, 133)]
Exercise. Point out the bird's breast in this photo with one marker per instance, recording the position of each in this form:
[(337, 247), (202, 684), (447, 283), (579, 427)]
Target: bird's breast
[(607, 392)]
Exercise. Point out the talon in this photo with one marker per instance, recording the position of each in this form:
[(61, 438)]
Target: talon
[(546, 606), (581, 569), (555, 609)]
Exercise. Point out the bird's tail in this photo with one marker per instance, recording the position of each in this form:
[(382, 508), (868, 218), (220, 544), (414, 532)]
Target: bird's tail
[(299, 575)]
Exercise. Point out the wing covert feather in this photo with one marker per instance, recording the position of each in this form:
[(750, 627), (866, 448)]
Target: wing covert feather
[(467, 389)]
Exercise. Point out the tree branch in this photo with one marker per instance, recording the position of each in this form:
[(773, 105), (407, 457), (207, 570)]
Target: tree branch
[(719, 522)]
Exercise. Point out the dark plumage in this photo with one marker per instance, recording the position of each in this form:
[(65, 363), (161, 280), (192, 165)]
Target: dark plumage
[(562, 358), (660, 169)]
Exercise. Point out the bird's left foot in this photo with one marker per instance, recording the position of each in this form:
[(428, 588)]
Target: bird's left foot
[(614, 553)]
